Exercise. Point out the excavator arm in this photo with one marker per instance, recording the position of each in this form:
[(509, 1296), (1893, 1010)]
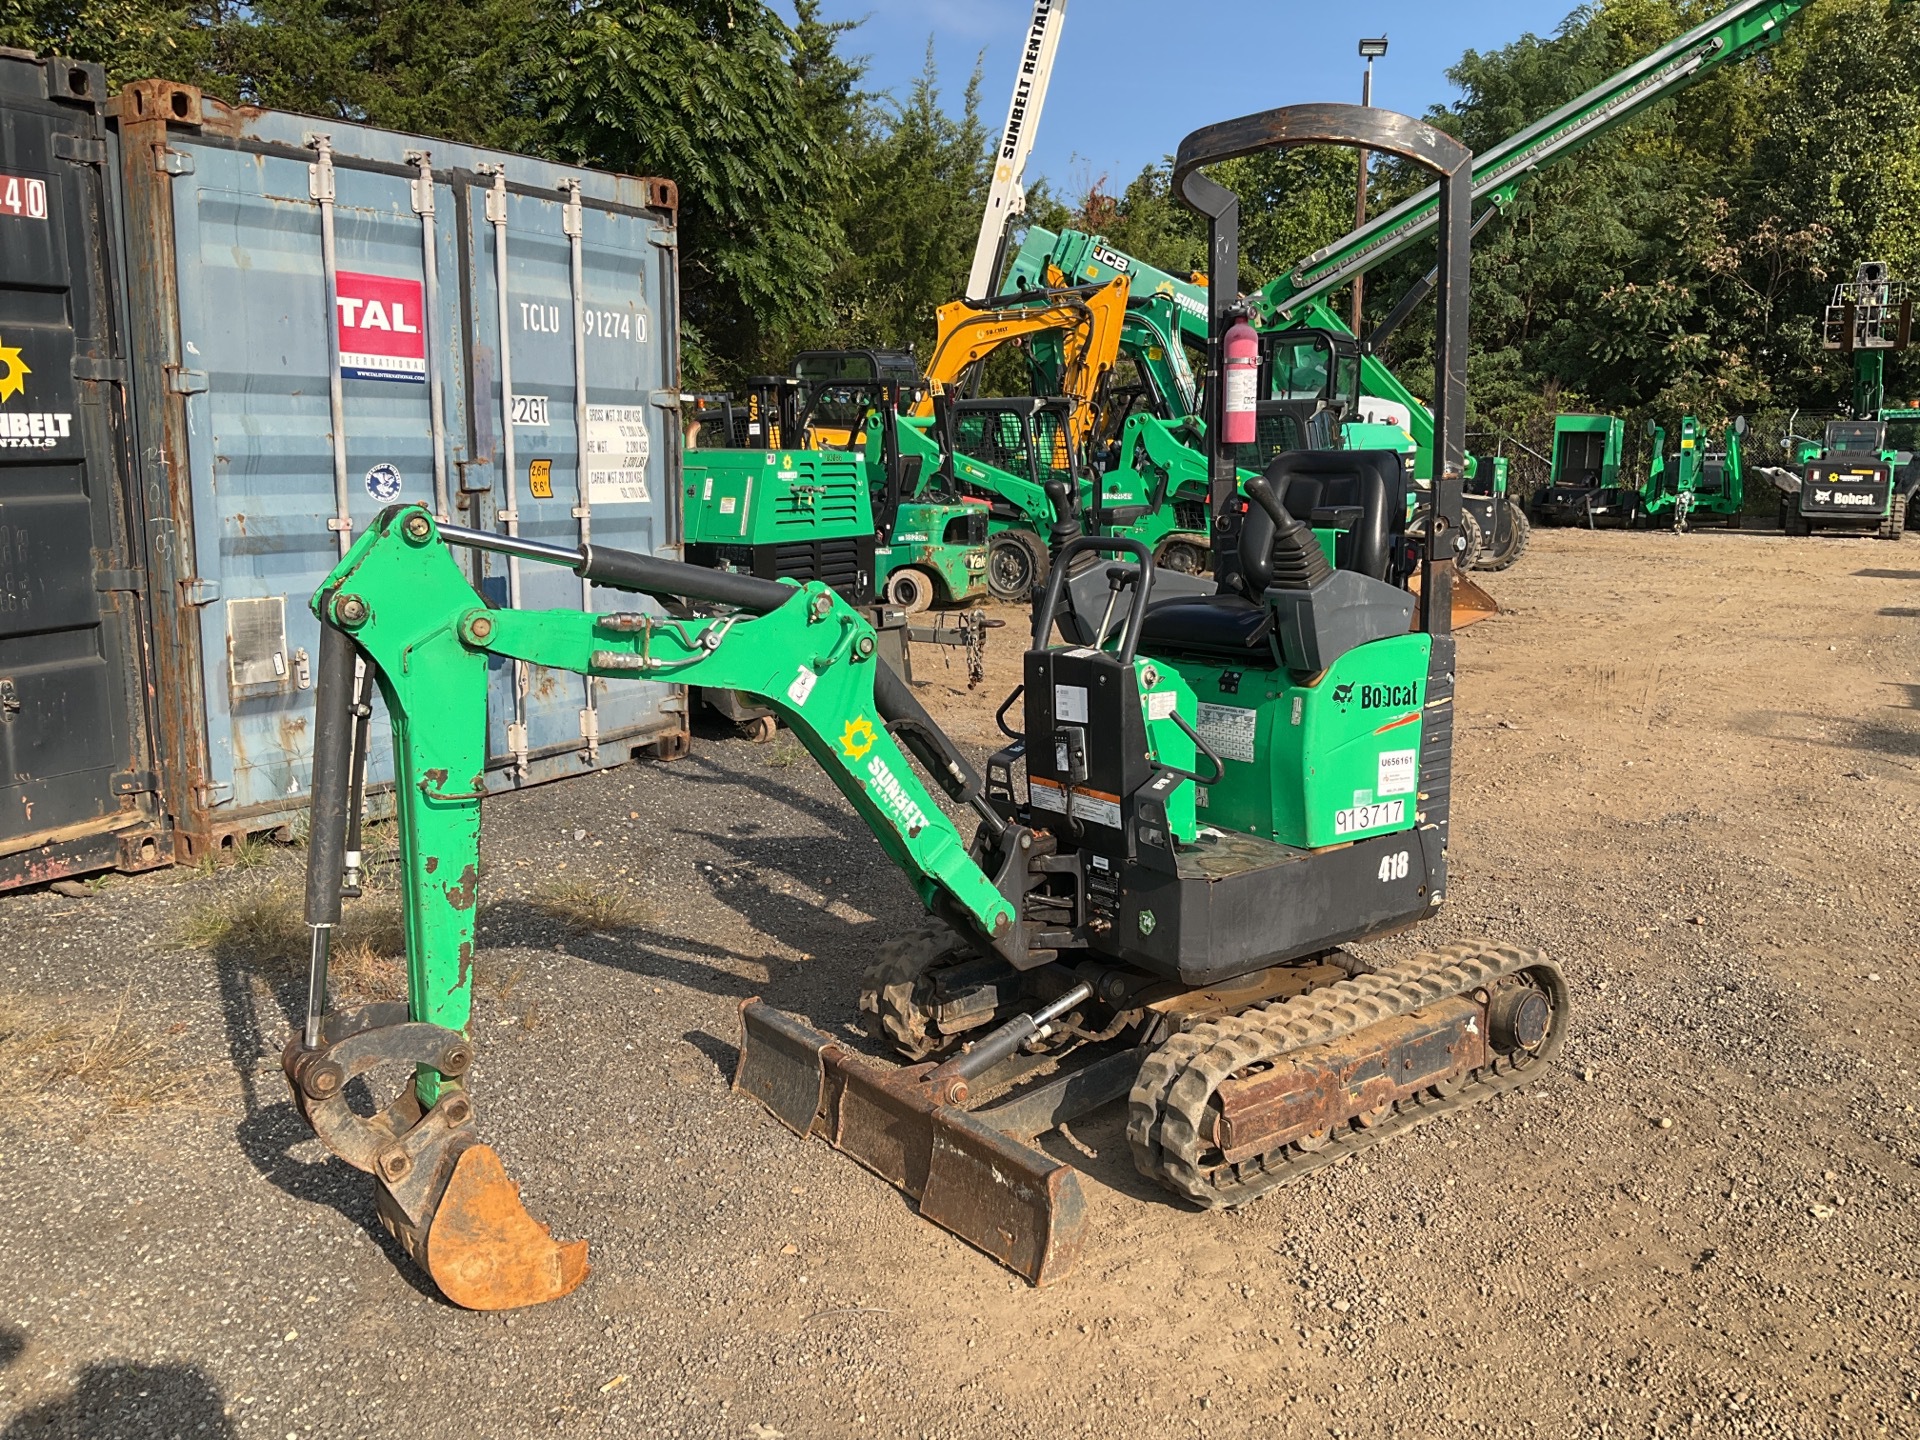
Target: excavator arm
[(1088, 321), (399, 603)]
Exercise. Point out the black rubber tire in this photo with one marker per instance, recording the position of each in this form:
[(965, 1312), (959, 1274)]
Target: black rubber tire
[(1468, 556), (910, 590), (1182, 557), (1734, 520), (1520, 531), (760, 729), (1016, 565), (1792, 522)]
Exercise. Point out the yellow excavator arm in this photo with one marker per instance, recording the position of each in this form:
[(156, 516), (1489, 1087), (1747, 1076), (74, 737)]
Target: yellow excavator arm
[(1089, 318)]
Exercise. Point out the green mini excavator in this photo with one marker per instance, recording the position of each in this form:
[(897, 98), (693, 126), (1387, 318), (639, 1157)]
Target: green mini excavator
[(1214, 784)]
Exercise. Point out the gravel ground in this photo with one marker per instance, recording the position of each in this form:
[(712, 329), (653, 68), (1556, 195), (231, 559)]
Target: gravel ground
[(1687, 768)]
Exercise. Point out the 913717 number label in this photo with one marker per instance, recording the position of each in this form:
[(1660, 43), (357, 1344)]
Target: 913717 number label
[(1369, 817)]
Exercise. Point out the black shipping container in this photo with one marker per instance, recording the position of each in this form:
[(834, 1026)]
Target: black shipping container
[(77, 790)]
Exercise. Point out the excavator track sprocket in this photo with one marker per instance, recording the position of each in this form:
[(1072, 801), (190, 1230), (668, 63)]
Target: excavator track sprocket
[(1182, 1136), (896, 993)]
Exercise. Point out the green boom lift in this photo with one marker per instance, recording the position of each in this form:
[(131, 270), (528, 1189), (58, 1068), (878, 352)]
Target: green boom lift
[(1215, 784), (1301, 295)]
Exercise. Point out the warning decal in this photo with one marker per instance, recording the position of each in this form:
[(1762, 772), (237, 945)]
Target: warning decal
[(381, 335)]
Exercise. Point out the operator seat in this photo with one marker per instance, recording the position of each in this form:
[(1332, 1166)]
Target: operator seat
[(1359, 492)]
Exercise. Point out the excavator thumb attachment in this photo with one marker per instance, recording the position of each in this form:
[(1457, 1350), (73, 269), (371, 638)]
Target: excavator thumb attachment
[(439, 1191), (990, 1188)]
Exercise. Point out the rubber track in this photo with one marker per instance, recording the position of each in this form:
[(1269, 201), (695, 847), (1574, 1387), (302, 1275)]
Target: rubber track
[(1168, 1106)]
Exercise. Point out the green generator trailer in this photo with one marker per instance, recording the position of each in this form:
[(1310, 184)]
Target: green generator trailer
[(1583, 482), (863, 519)]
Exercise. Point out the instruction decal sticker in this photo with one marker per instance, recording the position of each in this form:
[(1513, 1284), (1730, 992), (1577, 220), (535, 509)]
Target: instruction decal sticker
[(381, 337)]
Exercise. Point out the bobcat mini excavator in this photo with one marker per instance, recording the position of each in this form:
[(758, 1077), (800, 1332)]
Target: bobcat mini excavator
[(1217, 782)]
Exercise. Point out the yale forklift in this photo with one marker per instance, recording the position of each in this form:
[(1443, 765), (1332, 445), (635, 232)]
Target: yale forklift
[(1210, 784)]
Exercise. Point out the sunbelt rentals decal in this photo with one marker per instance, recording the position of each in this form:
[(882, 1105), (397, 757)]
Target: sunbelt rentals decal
[(26, 429), (856, 743)]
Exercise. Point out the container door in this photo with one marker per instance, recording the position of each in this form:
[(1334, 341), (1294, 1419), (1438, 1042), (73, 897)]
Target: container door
[(601, 475), (254, 340), (74, 768)]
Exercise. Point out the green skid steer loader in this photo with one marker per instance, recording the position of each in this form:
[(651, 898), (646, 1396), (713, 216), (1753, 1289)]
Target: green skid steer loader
[(1215, 782)]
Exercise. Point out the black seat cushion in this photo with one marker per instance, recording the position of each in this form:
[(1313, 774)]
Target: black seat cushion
[(1226, 625)]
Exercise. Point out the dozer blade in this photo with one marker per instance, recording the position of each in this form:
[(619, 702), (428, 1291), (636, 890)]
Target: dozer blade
[(1023, 1208), (485, 1251)]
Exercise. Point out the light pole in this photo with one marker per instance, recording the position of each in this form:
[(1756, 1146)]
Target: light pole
[(1370, 51)]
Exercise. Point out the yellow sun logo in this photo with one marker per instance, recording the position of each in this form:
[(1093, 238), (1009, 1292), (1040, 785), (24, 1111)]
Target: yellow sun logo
[(13, 373), (857, 738)]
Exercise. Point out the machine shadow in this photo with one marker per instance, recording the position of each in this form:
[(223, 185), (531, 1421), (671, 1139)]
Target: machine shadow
[(126, 1400)]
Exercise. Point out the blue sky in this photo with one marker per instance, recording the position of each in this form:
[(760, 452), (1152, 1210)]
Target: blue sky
[(1133, 76)]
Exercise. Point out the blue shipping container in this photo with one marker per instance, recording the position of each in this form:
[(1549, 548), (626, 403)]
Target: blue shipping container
[(294, 280)]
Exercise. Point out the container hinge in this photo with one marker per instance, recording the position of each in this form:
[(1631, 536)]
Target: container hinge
[(199, 592), (213, 792), (133, 782), (112, 580), (107, 369), (186, 382), (665, 236), (667, 400), (80, 149), (172, 162)]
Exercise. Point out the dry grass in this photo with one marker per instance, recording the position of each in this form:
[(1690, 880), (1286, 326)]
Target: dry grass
[(74, 1053), (586, 907), (262, 928)]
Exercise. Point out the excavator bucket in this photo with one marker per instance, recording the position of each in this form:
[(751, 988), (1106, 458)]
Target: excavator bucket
[(440, 1191), (1470, 602), (990, 1188), (485, 1251)]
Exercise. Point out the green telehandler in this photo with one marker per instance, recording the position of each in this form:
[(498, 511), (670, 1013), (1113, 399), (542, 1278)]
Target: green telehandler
[(1862, 474), (1216, 782)]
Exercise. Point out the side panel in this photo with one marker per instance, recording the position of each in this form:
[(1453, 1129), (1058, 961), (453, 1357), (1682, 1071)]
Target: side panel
[(76, 783)]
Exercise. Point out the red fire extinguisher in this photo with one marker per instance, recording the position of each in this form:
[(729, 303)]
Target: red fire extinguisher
[(1241, 383)]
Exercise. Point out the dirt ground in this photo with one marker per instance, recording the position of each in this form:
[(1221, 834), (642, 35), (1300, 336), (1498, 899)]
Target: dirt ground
[(1687, 768)]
